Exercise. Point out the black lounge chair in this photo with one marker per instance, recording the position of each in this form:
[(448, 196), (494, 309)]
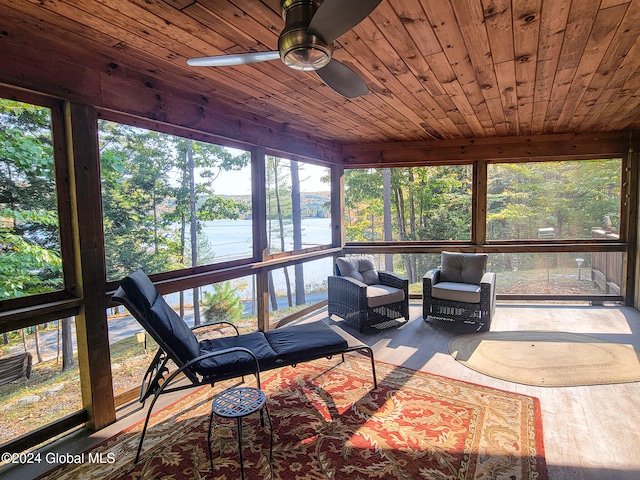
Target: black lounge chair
[(212, 360)]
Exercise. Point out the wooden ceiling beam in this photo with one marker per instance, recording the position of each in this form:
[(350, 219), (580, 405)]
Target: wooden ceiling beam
[(515, 148)]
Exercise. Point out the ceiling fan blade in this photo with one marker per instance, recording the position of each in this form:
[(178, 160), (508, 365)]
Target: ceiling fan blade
[(234, 59), (335, 17), (342, 79)]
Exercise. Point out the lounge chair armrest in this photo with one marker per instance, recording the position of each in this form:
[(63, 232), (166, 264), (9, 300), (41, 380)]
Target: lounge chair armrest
[(488, 288), (213, 324), (392, 279)]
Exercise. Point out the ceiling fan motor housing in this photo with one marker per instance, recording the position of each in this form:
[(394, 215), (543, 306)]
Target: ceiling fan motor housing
[(298, 48)]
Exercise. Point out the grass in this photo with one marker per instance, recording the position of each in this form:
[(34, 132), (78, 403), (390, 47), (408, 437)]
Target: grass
[(51, 393)]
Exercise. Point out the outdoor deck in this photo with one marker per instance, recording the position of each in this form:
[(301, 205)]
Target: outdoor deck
[(589, 432)]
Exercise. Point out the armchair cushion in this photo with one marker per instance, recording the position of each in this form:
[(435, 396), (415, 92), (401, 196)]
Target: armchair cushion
[(456, 292), (463, 268), (378, 295), (362, 268)]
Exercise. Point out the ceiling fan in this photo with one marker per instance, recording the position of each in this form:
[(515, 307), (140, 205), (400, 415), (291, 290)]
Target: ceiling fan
[(306, 42)]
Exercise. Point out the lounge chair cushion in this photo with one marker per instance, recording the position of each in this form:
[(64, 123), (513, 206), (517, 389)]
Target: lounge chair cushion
[(237, 363), (456, 292), (463, 268), (299, 343), (161, 318), (361, 267)]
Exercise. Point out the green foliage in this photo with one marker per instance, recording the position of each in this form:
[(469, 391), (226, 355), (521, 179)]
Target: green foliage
[(29, 241), (426, 203), (222, 303), (571, 197), (146, 197)]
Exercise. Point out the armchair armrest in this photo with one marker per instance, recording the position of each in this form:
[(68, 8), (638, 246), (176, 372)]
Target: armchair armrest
[(347, 291), (432, 276), (428, 281), (392, 279), (489, 278), (347, 281), (488, 292)]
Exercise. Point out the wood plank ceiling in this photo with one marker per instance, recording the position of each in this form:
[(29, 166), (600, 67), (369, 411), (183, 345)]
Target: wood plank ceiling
[(436, 69)]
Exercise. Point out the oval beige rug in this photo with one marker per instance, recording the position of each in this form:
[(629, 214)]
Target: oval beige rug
[(551, 359)]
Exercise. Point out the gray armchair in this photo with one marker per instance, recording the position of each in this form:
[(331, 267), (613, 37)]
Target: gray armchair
[(460, 291), (367, 297)]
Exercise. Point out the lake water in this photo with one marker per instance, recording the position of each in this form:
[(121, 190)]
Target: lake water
[(232, 240)]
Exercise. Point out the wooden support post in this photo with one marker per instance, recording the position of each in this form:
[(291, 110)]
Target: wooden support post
[(629, 229), (337, 207), (260, 239), (90, 271), (479, 202)]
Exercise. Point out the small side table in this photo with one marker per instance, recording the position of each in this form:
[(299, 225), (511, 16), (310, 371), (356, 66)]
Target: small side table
[(238, 403)]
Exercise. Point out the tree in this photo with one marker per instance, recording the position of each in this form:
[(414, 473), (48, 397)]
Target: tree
[(30, 260), (197, 202), (29, 242), (296, 214), (279, 207), (222, 304), (155, 188), (136, 167)]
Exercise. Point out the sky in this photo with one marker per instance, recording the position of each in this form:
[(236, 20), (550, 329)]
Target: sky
[(239, 183)]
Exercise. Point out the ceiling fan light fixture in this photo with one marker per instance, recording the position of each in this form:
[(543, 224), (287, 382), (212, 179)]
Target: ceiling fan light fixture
[(298, 48), (306, 58)]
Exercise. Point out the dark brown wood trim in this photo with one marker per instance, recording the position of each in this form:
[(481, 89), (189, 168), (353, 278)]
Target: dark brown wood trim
[(299, 314), (36, 437), (630, 200), (63, 197), (35, 300), (479, 202), (402, 247), (582, 146), (37, 314)]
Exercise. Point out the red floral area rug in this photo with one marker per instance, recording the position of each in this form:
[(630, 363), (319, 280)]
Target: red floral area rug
[(329, 423)]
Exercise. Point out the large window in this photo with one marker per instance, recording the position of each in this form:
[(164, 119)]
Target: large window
[(298, 205), (170, 202), (547, 200), (30, 259), (298, 217), (52, 390), (419, 203)]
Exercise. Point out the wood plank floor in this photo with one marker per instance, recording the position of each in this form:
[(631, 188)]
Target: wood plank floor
[(589, 432)]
